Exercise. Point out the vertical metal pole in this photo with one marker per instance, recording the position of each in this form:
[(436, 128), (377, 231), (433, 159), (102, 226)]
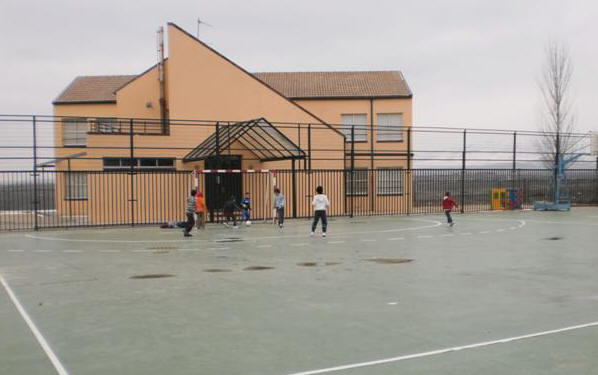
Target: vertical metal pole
[(372, 173), (131, 172), (217, 143), (352, 172), (309, 146), (68, 188), (514, 150), (463, 170), (407, 186), (35, 201), (294, 188), (409, 149)]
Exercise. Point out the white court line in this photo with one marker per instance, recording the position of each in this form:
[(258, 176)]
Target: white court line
[(71, 251), (299, 244), (143, 251), (395, 238), (263, 246), (436, 223), (15, 251), (484, 232), (448, 235), (368, 240), (424, 236), (500, 230), (40, 338), (445, 350), (563, 222), (219, 248), (43, 251), (335, 242)]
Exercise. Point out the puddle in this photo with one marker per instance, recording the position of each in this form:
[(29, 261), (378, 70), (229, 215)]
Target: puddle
[(307, 264), (152, 276), (226, 240), (257, 268), (554, 238), (389, 260), (314, 264), (216, 270)]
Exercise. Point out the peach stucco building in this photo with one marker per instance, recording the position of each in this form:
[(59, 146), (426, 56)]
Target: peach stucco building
[(309, 112)]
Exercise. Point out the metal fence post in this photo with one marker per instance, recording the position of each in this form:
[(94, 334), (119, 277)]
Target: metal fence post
[(309, 146), (463, 170), (352, 173), (294, 188), (514, 150), (131, 172), (35, 200)]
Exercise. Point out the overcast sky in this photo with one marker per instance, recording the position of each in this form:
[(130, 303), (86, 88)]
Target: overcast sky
[(469, 63)]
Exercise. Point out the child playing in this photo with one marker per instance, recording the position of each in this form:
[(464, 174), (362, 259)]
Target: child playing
[(279, 206), (200, 210), (447, 205), (228, 211), (189, 211), (245, 207), (320, 203)]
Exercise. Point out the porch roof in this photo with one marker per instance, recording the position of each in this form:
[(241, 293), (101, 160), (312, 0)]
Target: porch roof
[(259, 136)]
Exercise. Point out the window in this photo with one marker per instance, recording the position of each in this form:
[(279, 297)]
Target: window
[(107, 125), (75, 185), (360, 182), (390, 127), (74, 132), (359, 120), (124, 164), (389, 181)]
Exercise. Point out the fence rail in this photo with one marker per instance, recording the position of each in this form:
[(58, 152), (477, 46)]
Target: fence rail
[(62, 199)]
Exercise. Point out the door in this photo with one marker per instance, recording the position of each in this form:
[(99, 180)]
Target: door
[(221, 186)]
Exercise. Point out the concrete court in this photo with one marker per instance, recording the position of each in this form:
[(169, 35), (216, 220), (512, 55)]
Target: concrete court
[(324, 303)]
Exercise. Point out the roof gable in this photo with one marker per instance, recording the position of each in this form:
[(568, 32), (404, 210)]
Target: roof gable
[(93, 89)]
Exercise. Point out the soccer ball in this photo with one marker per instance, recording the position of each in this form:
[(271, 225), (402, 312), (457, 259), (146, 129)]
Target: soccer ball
[(248, 223)]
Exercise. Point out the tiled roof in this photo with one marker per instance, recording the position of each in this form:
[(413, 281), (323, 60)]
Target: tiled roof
[(296, 85), (293, 85), (87, 89)]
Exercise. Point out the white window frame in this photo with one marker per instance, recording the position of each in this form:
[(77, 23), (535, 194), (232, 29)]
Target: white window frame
[(360, 121), (360, 182), (389, 181), (123, 164), (74, 132), (75, 186), (386, 123), (107, 125)]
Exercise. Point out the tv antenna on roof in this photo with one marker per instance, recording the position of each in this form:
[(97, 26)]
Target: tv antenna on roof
[(200, 22)]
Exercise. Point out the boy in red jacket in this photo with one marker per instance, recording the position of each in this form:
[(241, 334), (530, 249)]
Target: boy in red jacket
[(447, 205)]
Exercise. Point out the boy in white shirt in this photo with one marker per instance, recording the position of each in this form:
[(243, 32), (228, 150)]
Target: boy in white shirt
[(320, 203)]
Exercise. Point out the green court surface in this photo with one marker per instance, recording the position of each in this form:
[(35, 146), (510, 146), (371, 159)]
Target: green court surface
[(499, 293)]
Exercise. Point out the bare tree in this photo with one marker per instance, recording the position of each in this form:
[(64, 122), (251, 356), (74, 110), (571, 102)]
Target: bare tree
[(558, 121)]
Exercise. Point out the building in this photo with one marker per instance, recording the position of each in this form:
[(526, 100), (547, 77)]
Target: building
[(274, 121)]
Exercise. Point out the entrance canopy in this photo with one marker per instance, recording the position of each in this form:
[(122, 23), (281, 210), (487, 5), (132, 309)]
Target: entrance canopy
[(258, 136)]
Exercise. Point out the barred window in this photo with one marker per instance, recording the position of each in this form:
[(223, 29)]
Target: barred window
[(74, 132), (124, 164), (359, 120), (390, 127), (75, 185), (360, 182), (389, 181)]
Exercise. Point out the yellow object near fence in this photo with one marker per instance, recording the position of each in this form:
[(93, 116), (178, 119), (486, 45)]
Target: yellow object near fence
[(499, 199)]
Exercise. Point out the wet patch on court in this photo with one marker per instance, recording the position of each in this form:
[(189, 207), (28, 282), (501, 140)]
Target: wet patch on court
[(389, 260), (151, 276), (315, 264), (216, 270), (258, 268), (227, 240)]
